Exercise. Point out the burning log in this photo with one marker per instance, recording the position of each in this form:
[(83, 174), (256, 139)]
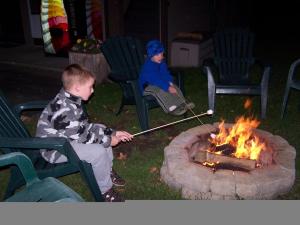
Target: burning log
[(210, 157), (226, 149)]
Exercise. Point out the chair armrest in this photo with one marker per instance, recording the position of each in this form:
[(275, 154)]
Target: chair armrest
[(71, 200), (266, 77), (208, 66), (295, 63), (210, 78), (30, 106), (60, 144), (293, 69), (23, 163)]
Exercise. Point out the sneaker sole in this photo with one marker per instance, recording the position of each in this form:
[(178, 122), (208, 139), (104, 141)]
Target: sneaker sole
[(119, 185)]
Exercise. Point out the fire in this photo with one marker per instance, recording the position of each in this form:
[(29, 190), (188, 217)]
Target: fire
[(241, 137), (210, 164), (248, 104)]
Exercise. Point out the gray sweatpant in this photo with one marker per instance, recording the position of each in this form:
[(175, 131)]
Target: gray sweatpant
[(165, 99), (99, 157)]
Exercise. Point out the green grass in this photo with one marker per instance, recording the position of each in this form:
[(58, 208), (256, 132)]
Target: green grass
[(144, 155)]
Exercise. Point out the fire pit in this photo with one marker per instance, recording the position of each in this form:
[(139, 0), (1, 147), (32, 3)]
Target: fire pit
[(205, 164)]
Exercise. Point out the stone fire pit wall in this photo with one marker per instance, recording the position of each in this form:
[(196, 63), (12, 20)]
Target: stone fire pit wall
[(199, 182)]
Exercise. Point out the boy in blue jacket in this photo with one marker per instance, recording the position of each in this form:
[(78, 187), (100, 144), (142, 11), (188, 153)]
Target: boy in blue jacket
[(156, 80)]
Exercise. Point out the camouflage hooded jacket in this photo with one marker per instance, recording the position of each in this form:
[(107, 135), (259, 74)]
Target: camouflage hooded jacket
[(64, 117)]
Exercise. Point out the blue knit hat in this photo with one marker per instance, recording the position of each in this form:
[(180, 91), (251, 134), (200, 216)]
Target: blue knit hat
[(154, 47)]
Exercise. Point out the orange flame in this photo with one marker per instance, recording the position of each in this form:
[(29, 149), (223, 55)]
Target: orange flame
[(209, 164), (248, 104), (241, 137)]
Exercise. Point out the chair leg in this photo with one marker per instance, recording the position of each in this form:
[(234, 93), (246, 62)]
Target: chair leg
[(211, 87), (264, 91), (86, 171), (211, 97), (145, 120), (285, 99), (263, 99), (121, 106), (142, 111)]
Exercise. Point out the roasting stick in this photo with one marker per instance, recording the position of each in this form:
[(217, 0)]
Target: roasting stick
[(209, 112)]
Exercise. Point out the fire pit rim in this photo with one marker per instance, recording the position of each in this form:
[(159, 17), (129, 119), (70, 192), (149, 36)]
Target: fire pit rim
[(177, 164)]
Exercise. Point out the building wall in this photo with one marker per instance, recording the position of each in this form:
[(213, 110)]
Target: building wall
[(188, 16), (35, 22)]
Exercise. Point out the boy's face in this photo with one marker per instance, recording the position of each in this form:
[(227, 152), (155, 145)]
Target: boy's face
[(84, 90), (158, 58)]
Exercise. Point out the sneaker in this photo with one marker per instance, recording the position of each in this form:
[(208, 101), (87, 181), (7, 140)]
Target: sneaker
[(172, 108), (190, 105), (116, 179), (112, 196), (179, 111)]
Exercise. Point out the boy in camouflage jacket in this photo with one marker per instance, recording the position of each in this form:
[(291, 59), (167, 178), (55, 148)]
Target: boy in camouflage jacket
[(65, 117)]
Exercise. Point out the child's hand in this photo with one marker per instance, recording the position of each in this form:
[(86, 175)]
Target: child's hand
[(114, 140), (172, 90), (124, 136)]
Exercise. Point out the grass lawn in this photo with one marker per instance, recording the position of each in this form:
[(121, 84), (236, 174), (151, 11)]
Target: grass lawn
[(139, 161)]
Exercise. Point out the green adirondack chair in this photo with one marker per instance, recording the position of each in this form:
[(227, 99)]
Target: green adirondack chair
[(46, 190), (14, 137), (233, 59), (125, 55), (292, 82)]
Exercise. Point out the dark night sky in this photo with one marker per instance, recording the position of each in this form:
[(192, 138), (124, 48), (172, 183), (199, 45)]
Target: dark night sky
[(275, 20)]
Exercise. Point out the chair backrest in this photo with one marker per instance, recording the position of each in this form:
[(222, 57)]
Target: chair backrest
[(125, 56), (10, 124), (233, 49), (41, 190)]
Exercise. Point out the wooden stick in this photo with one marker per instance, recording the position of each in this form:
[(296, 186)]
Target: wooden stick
[(209, 112)]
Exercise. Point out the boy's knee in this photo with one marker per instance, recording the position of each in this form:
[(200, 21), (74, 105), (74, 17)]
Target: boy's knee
[(98, 152), (91, 152)]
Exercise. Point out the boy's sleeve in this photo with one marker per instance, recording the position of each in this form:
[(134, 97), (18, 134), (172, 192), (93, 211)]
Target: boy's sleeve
[(166, 73), (99, 133)]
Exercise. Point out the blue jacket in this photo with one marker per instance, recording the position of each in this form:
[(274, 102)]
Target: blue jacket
[(156, 74)]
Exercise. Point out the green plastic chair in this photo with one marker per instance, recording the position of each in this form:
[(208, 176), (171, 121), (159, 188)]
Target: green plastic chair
[(292, 82), (14, 137), (232, 61), (36, 190), (125, 55)]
